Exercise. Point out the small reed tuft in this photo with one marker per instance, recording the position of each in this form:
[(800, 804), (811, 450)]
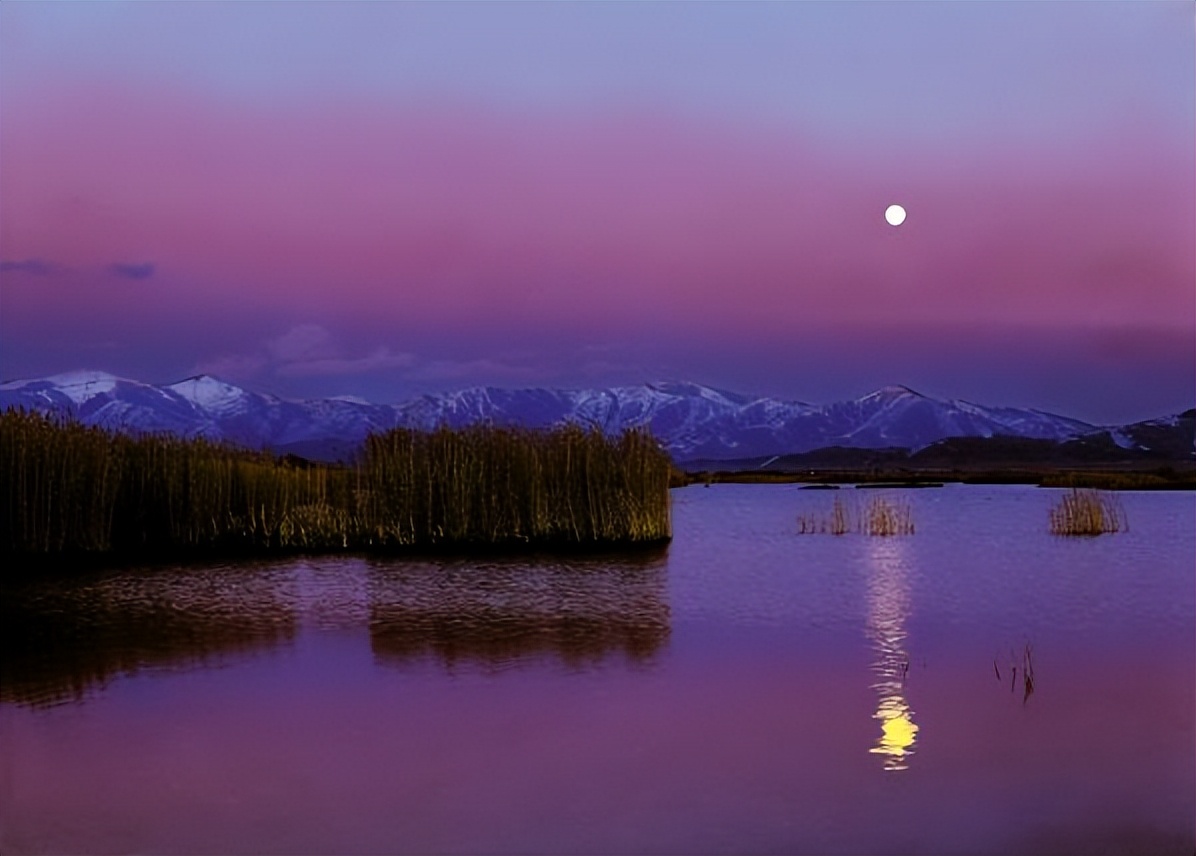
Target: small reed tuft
[(888, 517), (1087, 512), (882, 516)]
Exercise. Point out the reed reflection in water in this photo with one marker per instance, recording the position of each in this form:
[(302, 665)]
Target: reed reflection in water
[(888, 610), (498, 613), (63, 640)]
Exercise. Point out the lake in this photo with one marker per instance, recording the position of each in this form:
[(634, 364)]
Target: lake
[(747, 690)]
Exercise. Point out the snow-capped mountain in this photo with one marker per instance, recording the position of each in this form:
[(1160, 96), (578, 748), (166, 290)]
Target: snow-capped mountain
[(692, 421), (201, 406), (699, 422)]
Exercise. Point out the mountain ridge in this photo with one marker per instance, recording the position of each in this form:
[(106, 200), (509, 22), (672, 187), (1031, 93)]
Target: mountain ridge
[(691, 420)]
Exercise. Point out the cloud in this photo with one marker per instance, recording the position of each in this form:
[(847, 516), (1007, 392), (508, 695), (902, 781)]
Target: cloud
[(132, 271), (381, 358), (37, 267), (303, 342), (308, 350)]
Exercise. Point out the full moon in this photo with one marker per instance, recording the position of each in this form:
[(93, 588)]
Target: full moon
[(895, 215)]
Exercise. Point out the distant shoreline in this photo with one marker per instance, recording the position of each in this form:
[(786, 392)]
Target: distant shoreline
[(1158, 478)]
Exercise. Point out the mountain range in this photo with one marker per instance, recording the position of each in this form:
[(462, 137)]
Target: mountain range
[(692, 421)]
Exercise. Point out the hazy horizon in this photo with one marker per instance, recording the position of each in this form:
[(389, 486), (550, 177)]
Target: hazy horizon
[(381, 200)]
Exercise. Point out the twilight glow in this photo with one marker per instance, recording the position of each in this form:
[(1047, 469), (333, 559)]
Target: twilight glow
[(376, 199)]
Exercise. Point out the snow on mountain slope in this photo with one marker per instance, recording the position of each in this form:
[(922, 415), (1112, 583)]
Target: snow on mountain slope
[(210, 394), (1174, 436), (82, 386), (692, 421)]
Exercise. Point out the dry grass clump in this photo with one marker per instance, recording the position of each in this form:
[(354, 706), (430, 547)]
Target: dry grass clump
[(882, 516), (838, 522), (888, 517), (70, 489), (1087, 512)]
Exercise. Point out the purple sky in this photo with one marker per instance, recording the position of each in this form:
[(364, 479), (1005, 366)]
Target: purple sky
[(384, 198)]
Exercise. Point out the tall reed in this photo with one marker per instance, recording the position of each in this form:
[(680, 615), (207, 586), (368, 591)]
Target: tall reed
[(1087, 512), (60, 483), (68, 489), (509, 485)]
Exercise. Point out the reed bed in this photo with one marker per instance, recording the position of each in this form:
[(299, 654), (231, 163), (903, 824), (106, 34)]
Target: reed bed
[(71, 489), (882, 516), (1087, 512), (507, 485)]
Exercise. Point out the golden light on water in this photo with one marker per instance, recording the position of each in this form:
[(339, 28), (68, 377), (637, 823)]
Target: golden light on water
[(888, 608), (897, 733)]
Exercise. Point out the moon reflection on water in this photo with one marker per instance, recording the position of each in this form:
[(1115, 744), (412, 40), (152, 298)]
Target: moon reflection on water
[(888, 609)]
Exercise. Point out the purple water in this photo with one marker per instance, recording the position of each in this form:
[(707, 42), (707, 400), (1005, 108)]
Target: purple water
[(750, 690)]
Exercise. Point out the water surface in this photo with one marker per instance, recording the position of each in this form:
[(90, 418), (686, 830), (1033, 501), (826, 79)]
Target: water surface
[(749, 690)]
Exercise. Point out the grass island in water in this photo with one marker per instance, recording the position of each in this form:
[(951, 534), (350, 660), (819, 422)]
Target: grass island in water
[(72, 490)]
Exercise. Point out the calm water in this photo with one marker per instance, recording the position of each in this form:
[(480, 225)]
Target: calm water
[(750, 690)]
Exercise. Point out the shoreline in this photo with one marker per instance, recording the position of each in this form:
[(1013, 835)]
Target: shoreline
[(36, 565), (1164, 478)]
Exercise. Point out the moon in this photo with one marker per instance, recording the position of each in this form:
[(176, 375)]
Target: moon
[(895, 215)]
